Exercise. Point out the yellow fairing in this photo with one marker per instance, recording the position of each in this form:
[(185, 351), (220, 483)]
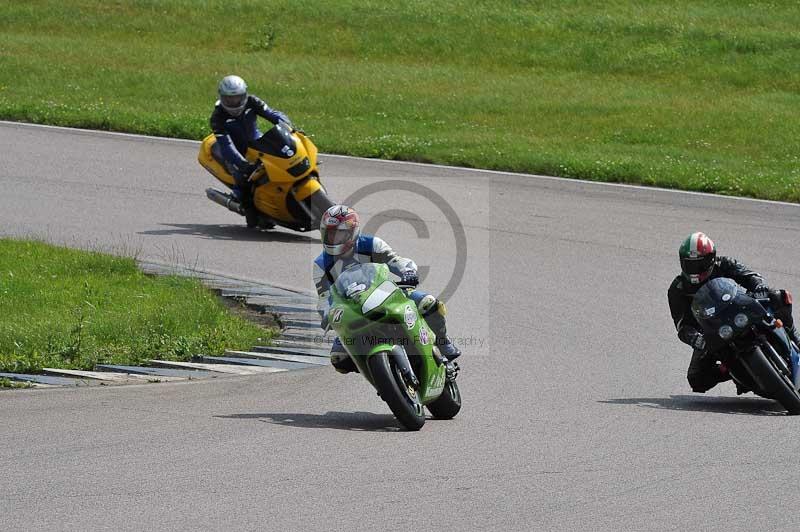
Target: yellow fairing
[(306, 189), (311, 149), (271, 197), (209, 163)]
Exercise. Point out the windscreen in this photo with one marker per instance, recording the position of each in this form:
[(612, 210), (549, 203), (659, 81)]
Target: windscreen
[(713, 297), (356, 279), (278, 141)]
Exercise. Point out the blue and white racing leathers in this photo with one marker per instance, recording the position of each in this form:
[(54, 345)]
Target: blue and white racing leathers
[(369, 249)]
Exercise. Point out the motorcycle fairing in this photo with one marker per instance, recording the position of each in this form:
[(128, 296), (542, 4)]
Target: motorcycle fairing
[(207, 161), (395, 322), (720, 299), (289, 162), (781, 341)]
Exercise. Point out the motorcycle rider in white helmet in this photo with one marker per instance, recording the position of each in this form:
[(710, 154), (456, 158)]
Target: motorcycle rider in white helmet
[(233, 123)]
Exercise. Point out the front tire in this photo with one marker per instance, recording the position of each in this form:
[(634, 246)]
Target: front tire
[(403, 401), (448, 404), (319, 202), (772, 380)]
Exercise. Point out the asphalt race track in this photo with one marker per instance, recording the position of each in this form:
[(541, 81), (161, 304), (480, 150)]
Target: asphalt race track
[(577, 414)]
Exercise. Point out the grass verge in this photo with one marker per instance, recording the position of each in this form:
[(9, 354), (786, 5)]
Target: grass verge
[(8, 383), (700, 95), (66, 308)]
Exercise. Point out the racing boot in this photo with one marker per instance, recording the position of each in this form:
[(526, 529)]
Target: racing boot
[(791, 331), (252, 217), (342, 363), (434, 312), (788, 326), (265, 222), (237, 193), (251, 214), (781, 301), (447, 348), (340, 360)]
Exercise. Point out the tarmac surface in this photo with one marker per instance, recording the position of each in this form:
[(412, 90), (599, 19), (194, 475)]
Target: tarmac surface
[(577, 414)]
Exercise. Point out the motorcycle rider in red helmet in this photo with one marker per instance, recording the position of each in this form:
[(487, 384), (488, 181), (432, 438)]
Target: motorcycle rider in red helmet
[(699, 264), (343, 244)]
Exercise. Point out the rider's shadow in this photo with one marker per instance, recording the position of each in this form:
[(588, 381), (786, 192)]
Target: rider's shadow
[(231, 232), (352, 421), (750, 406)]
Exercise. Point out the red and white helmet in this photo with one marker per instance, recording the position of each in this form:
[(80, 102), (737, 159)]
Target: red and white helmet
[(339, 229)]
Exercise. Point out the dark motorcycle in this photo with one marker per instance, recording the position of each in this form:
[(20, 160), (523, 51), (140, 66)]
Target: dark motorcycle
[(743, 333)]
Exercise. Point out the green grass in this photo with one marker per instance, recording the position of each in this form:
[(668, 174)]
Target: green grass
[(8, 383), (701, 95), (73, 309)]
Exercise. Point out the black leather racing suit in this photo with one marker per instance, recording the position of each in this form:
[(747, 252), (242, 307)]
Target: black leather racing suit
[(703, 373)]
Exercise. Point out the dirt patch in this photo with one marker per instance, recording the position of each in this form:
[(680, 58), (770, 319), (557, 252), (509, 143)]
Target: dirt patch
[(255, 313)]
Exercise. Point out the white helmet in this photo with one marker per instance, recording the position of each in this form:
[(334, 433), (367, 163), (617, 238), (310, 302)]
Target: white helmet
[(232, 94)]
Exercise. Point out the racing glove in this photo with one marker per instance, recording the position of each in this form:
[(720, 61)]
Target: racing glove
[(698, 341), (761, 292), (409, 278)]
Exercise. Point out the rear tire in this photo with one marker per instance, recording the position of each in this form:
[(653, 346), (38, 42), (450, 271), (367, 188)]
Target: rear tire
[(448, 404), (772, 380), (404, 405)]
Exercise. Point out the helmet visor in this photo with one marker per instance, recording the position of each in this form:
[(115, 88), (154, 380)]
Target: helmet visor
[(696, 266), (233, 101), (341, 235)]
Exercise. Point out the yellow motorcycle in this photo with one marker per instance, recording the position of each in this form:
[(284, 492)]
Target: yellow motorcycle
[(287, 188)]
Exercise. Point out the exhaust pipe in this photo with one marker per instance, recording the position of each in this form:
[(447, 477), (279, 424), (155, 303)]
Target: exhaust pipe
[(226, 200)]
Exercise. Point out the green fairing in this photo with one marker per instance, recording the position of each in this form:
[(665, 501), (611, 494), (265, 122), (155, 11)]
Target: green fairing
[(384, 326)]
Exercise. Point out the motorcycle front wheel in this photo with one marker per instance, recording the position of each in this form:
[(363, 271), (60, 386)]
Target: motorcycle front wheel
[(402, 399), (318, 203), (308, 212), (772, 379)]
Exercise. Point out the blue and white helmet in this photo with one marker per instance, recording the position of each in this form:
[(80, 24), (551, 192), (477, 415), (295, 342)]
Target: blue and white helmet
[(232, 94)]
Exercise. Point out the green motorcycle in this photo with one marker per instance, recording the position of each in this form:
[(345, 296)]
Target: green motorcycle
[(392, 346)]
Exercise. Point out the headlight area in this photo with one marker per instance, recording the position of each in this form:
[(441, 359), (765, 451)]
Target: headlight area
[(741, 320), (726, 332)]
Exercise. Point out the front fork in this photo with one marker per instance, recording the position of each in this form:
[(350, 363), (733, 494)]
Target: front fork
[(400, 358), (792, 370), (315, 204)]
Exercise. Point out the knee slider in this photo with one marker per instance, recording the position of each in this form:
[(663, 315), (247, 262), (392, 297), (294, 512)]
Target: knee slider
[(786, 300), (782, 305), (699, 383), (427, 305)]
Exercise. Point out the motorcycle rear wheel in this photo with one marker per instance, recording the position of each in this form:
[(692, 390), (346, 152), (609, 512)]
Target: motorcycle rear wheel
[(403, 402), (772, 380), (448, 404)]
